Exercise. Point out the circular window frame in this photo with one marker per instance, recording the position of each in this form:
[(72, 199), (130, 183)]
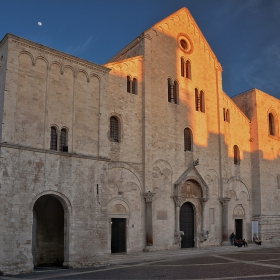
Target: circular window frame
[(182, 37)]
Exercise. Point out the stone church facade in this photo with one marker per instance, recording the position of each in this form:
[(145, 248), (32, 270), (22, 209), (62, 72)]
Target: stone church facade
[(146, 152)]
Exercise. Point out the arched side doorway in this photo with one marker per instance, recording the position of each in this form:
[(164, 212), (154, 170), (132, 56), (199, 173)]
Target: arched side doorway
[(48, 232), (118, 217), (187, 225)]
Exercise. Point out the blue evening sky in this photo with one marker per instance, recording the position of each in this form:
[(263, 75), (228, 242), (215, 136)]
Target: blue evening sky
[(244, 34)]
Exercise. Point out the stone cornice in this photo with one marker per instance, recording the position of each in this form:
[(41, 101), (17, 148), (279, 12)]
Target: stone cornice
[(58, 153), (56, 53)]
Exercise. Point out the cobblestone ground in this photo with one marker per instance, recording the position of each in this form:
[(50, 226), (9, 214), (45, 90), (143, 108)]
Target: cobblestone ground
[(249, 264)]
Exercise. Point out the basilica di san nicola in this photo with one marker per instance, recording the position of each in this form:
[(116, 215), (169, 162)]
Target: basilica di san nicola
[(146, 152)]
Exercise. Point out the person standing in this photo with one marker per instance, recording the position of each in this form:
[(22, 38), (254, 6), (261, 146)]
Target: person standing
[(232, 238)]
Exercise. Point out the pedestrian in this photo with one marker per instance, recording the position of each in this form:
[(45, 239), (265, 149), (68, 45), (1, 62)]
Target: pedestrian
[(232, 238), (245, 244)]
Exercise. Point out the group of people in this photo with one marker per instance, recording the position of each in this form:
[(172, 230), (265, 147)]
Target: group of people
[(242, 242), (238, 242), (257, 241)]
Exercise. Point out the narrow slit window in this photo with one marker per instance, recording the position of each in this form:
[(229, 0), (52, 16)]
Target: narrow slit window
[(197, 100), (188, 70), (63, 140), (176, 92), (169, 90), (227, 115), (271, 124), (187, 139), (236, 153), (128, 84), (114, 129), (202, 102), (182, 67), (53, 145), (134, 86)]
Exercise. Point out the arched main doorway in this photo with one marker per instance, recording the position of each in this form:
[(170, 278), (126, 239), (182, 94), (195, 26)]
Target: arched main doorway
[(48, 232), (187, 225)]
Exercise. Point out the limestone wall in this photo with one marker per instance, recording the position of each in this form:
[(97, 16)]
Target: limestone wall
[(126, 173), (3, 66), (46, 88), (64, 92), (265, 160), (27, 175)]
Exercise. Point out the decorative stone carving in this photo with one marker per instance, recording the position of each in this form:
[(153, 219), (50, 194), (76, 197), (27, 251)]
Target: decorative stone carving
[(178, 237), (190, 189), (118, 208), (149, 196), (203, 235), (238, 211)]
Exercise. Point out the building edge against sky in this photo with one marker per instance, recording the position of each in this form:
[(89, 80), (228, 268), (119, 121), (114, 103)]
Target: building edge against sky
[(130, 155)]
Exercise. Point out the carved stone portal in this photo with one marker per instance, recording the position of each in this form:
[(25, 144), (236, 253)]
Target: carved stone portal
[(190, 190)]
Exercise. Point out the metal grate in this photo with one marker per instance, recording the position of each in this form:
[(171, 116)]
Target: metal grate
[(63, 138), (128, 84), (188, 139), (53, 138), (114, 129), (134, 86)]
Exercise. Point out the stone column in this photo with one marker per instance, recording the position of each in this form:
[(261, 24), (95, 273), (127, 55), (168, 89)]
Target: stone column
[(203, 202), (225, 236), (177, 220), (149, 221)]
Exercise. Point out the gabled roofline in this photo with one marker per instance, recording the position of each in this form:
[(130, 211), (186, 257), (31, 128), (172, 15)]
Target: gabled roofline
[(194, 22), (145, 35)]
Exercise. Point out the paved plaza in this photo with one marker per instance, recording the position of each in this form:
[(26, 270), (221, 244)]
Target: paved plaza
[(211, 263)]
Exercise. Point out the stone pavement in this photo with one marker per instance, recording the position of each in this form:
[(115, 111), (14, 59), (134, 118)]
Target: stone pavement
[(215, 262), (136, 257)]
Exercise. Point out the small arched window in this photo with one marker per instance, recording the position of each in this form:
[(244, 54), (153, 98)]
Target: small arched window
[(134, 86), (202, 103), (63, 140), (188, 70), (53, 145), (114, 129), (182, 67), (236, 154), (1, 59), (176, 92), (271, 124), (169, 90), (187, 139), (278, 182), (128, 84), (197, 100), (226, 114)]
